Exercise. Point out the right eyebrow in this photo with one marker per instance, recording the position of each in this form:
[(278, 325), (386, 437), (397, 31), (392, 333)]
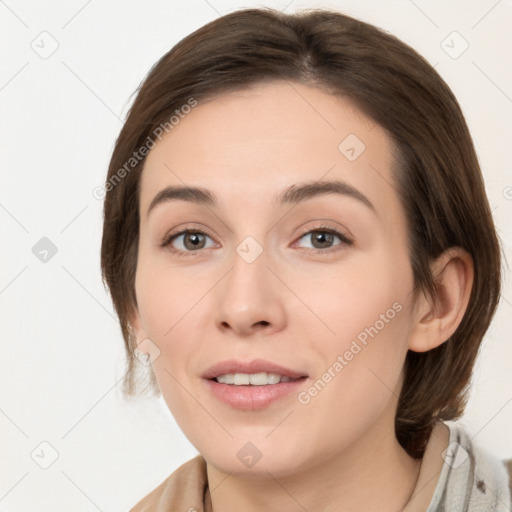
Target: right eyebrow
[(200, 196)]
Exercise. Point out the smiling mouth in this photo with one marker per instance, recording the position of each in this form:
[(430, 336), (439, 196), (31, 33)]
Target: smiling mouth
[(254, 379), (254, 390)]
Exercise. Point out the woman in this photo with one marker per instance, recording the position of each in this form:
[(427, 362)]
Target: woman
[(322, 376)]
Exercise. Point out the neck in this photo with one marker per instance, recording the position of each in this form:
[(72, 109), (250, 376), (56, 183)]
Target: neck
[(374, 473)]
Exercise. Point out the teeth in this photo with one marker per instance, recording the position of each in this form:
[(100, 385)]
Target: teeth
[(240, 379), (254, 379)]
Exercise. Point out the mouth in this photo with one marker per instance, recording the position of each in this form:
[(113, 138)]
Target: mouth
[(254, 379), (252, 385), (257, 372)]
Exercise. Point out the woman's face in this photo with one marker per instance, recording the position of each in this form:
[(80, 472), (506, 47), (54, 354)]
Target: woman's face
[(317, 283)]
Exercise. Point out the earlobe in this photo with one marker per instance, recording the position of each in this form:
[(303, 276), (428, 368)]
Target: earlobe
[(144, 349), (436, 320)]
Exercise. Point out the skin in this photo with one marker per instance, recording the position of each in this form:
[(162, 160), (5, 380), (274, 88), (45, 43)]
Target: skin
[(290, 306)]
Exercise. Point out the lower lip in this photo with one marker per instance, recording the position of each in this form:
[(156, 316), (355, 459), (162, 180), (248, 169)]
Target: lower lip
[(253, 397)]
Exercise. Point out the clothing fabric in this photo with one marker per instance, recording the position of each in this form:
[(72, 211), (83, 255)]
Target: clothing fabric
[(471, 480)]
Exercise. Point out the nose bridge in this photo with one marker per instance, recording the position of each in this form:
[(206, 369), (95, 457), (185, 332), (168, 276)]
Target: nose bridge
[(254, 252), (249, 266), (248, 295), (251, 237), (249, 250)]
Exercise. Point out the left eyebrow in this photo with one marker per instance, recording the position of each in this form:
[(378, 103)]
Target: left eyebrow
[(303, 191), (293, 194)]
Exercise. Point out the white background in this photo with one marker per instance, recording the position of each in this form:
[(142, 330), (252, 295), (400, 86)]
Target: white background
[(62, 353)]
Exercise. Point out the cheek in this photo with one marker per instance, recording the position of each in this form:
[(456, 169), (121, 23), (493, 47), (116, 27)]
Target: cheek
[(361, 374), (169, 302), (364, 309), (161, 295), (163, 307), (356, 294), (367, 353), (162, 304)]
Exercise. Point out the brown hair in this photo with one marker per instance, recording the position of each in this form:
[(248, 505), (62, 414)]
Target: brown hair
[(438, 177)]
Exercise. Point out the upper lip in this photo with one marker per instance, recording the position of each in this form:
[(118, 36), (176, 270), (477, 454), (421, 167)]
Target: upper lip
[(254, 366)]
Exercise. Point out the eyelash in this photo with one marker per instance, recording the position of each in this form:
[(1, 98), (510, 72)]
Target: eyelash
[(345, 239)]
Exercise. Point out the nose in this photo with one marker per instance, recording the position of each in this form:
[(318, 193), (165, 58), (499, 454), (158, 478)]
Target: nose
[(250, 297)]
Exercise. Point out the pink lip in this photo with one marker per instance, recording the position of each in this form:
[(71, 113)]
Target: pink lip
[(252, 397), (254, 366)]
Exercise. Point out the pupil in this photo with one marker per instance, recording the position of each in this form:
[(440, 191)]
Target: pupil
[(327, 237), (194, 238)]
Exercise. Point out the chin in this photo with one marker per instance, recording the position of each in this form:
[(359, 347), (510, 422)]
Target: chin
[(248, 459)]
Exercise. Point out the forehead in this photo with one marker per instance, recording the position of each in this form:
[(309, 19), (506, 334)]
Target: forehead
[(256, 142)]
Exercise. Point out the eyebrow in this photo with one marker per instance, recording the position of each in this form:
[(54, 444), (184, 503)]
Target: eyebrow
[(294, 194)]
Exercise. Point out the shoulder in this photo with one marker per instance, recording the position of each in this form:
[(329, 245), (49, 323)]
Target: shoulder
[(183, 490), (475, 471)]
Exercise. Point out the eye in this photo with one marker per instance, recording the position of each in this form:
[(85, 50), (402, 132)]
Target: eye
[(193, 240), (323, 236)]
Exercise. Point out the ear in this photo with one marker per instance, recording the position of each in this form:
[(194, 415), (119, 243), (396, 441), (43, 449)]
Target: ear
[(436, 320)]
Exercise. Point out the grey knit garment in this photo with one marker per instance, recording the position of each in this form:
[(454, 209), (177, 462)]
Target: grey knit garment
[(471, 480)]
